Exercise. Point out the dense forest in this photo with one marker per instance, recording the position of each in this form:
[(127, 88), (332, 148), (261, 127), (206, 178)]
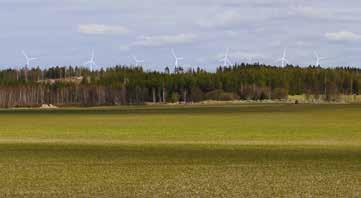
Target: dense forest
[(117, 85)]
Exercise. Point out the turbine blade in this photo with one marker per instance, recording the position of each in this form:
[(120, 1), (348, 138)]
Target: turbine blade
[(173, 53), (23, 52), (316, 55)]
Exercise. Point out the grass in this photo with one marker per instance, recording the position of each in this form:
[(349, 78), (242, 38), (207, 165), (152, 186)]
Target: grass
[(257, 150)]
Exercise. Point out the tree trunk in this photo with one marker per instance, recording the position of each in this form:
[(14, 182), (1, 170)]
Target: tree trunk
[(154, 97), (185, 96), (164, 96)]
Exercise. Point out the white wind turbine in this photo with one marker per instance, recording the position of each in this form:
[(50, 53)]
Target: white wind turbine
[(318, 58), (283, 59), (137, 61), (91, 62), (28, 59), (225, 59), (177, 59)]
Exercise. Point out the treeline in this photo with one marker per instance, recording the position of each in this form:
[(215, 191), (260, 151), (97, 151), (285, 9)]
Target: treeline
[(132, 85)]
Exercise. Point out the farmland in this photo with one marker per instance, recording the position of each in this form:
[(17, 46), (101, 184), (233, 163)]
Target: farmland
[(180, 151)]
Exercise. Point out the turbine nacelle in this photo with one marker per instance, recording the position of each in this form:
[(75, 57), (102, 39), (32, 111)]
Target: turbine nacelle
[(318, 58), (225, 59), (177, 59), (137, 61), (91, 62), (28, 59), (283, 59)]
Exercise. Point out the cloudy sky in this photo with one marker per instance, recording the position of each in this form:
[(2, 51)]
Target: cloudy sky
[(64, 32)]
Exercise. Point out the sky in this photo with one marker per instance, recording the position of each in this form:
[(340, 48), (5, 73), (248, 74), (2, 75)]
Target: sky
[(64, 32)]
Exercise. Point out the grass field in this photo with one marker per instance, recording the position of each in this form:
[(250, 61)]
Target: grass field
[(258, 150)]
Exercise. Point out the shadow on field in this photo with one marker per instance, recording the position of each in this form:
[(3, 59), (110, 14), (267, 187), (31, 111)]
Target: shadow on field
[(179, 154), (189, 109)]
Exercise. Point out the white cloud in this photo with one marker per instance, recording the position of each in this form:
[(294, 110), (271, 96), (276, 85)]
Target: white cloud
[(276, 43), (225, 19), (343, 36), (310, 12), (231, 33), (246, 55), (160, 40), (97, 29), (335, 14), (303, 43), (236, 56), (124, 48)]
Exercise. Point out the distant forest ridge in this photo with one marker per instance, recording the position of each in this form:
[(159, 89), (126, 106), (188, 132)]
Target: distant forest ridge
[(119, 85)]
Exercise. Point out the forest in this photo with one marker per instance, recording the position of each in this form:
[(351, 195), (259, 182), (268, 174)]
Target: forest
[(122, 85)]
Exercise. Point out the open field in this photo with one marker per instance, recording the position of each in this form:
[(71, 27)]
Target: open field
[(252, 150)]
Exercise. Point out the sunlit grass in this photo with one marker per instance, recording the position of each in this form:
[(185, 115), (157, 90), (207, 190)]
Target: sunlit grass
[(182, 151)]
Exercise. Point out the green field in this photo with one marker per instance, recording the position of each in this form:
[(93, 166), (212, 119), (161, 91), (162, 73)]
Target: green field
[(258, 150)]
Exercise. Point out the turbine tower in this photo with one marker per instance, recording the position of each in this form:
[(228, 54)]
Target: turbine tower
[(225, 59), (177, 59), (318, 58), (137, 61), (28, 59), (283, 59), (91, 62)]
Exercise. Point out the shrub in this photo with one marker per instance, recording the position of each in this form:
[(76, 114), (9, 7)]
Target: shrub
[(220, 95), (175, 97), (279, 93), (196, 94)]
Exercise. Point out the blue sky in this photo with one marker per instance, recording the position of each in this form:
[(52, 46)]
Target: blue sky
[(64, 32)]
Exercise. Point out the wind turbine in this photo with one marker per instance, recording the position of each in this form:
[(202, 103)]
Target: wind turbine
[(225, 59), (177, 59), (137, 61), (283, 59), (91, 62), (318, 58), (28, 59)]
